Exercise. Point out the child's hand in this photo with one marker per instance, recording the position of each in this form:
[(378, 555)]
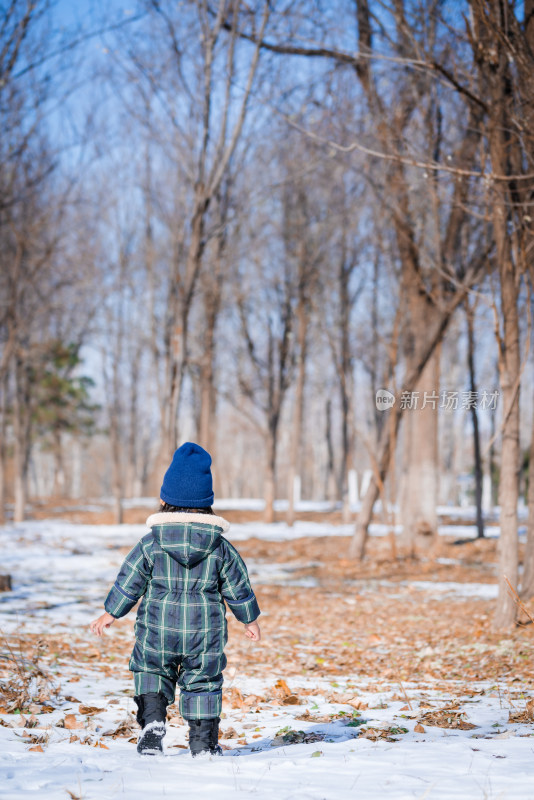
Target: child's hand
[(97, 625), (252, 630)]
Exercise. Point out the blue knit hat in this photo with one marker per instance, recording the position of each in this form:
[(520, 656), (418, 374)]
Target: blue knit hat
[(188, 483)]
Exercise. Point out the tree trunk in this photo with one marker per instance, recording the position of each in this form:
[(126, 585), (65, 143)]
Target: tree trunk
[(213, 282), (19, 486), (3, 409), (133, 478), (420, 483), (180, 338), (391, 426), (21, 430), (491, 29), (527, 584), (296, 429), (207, 395), (270, 478), (117, 480), (510, 453), (420, 489), (330, 487), (59, 467), (474, 419)]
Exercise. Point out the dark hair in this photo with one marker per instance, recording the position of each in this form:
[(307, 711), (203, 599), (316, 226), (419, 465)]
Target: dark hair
[(168, 507)]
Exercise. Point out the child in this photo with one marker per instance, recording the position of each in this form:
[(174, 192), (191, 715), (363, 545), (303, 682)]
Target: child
[(183, 569)]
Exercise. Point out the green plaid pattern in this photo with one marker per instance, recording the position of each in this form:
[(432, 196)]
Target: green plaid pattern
[(183, 571), (192, 705)]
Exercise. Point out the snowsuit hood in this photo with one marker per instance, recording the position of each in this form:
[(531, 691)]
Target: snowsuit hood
[(188, 538)]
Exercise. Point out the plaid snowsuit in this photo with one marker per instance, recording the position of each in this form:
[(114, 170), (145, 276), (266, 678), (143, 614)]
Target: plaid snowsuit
[(183, 570)]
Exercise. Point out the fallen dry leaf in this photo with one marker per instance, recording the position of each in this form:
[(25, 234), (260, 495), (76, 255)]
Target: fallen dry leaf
[(229, 733), (389, 734), (71, 723), (234, 697), (447, 717), (291, 700), (124, 730), (282, 687), (253, 700), (90, 710), (419, 728), (526, 715)]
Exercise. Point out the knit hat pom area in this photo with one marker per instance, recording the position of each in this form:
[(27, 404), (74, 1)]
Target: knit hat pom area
[(188, 482)]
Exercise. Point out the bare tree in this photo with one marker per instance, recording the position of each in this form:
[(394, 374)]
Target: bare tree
[(339, 332), (265, 365), (497, 36), (204, 141), (302, 240)]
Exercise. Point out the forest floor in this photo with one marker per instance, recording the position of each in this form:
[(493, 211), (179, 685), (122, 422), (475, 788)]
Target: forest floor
[(376, 680)]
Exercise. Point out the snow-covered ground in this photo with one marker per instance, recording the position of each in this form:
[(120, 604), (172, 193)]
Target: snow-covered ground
[(493, 760), (62, 571)]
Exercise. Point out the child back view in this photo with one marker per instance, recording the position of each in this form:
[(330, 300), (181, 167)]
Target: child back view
[(183, 570)]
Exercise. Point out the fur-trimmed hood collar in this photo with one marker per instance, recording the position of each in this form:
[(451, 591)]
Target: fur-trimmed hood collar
[(187, 537), (167, 517)]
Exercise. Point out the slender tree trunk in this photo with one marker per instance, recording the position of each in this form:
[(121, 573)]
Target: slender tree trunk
[(270, 477), (474, 419), (375, 346), (116, 460), (114, 394), (59, 467), (3, 409), (207, 391), (330, 488), (213, 288), (180, 344), (133, 479), (527, 584), (21, 429), (296, 428), (510, 453)]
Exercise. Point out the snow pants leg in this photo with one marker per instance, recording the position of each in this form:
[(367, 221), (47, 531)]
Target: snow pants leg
[(200, 681), (199, 678), (153, 682)]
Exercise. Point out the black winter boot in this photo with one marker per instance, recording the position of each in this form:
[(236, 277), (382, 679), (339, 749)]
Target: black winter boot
[(204, 736), (151, 715)]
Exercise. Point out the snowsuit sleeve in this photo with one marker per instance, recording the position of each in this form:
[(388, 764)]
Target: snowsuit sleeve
[(132, 579), (235, 587)]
